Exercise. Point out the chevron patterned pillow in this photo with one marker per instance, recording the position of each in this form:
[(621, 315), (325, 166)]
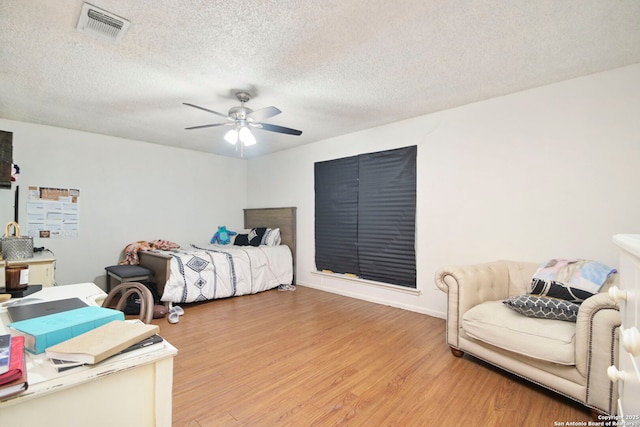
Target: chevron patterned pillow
[(543, 307)]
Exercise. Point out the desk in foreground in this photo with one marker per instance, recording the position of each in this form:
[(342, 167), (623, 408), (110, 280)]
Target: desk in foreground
[(129, 389)]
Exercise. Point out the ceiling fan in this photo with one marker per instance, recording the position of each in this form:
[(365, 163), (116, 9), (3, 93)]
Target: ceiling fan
[(243, 119)]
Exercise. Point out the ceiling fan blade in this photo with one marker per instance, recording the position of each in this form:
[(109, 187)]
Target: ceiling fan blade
[(207, 126), (276, 128), (207, 110), (263, 114)]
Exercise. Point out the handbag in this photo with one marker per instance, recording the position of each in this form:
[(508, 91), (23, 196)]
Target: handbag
[(16, 247)]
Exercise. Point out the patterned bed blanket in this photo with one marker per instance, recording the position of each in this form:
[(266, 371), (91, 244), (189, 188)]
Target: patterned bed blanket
[(202, 273)]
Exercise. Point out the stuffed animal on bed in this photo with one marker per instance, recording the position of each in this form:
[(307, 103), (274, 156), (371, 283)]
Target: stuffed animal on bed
[(222, 236)]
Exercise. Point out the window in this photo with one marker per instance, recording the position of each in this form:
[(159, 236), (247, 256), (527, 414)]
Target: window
[(365, 216)]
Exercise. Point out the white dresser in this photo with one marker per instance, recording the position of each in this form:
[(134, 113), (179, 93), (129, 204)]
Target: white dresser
[(627, 373), (41, 268)]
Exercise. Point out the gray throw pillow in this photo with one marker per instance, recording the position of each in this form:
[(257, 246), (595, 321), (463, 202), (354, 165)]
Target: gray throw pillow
[(543, 307)]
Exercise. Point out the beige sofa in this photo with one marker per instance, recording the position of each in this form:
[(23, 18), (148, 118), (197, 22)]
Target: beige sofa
[(569, 358)]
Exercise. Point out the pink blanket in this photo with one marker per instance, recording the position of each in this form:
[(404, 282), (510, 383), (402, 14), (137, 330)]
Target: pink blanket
[(131, 250)]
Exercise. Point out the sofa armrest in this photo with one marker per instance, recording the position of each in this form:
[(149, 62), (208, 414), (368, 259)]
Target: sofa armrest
[(475, 283), (597, 329), (468, 286)]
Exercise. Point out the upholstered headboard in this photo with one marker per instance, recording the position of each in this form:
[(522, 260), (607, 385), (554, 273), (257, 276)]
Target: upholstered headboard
[(282, 218)]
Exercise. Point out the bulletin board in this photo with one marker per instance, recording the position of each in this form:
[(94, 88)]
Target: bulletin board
[(53, 212)]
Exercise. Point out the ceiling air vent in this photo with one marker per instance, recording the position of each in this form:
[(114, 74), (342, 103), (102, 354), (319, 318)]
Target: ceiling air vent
[(101, 23)]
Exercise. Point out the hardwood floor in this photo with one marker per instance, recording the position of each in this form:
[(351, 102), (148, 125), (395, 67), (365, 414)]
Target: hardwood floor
[(311, 358)]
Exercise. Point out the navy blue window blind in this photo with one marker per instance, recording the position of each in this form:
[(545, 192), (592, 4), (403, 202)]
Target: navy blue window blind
[(365, 209)]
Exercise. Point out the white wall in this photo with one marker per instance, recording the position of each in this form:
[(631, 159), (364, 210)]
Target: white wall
[(548, 172), (129, 191)]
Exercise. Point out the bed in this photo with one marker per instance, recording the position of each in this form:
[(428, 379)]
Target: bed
[(198, 272)]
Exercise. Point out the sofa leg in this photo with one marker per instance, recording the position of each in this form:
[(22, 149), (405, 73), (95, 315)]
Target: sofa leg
[(596, 414), (456, 352)]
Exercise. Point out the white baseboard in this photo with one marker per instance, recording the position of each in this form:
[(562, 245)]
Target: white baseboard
[(369, 298)]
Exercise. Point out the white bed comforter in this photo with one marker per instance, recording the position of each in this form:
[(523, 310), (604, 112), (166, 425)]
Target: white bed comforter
[(208, 272)]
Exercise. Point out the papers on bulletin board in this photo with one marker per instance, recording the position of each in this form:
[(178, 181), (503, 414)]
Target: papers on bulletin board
[(53, 212)]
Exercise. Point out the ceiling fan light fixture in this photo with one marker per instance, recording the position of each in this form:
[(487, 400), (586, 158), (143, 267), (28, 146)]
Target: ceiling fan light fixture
[(241, 118), (246, 136), (231, 137)]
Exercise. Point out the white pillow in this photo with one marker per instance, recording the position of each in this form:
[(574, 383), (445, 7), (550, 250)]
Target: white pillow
[(271, 237)]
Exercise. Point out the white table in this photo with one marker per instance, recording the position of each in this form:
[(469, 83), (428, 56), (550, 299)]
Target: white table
[(130, 389)]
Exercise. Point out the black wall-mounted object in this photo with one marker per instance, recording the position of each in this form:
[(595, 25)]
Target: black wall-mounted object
[(6, 158), (15, 204)]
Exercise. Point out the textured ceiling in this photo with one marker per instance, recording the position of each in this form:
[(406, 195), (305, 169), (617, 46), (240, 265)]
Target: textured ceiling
[(332, 67)]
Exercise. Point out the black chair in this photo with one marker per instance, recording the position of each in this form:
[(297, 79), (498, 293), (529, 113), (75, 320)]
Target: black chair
[(127, 273)]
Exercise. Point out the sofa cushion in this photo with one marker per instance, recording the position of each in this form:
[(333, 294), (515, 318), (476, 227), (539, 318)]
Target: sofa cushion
[(546, 339), (543, 307)]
